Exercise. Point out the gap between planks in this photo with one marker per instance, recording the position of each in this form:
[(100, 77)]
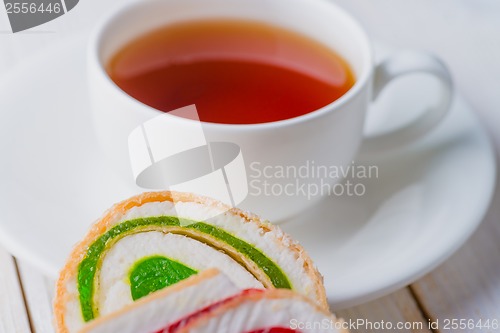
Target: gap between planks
[(13, 309), (38, 297), (23, 294), (398, 307)]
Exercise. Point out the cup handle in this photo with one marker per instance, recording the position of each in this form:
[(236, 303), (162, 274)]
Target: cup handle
[(399, 65)]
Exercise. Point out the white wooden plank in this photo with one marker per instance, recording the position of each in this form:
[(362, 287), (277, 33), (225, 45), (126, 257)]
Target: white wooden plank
[(13, 315), (468, 285), (398, 307), (38, 293)]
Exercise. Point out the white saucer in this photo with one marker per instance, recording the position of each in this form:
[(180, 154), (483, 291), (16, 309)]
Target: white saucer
[(427, 200)]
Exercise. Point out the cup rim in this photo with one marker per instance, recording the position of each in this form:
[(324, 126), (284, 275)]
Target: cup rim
[(359, 84)]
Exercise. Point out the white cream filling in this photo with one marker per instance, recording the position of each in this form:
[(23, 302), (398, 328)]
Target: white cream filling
[(114, 286), (159, 312), (267, 313), (284, 257)]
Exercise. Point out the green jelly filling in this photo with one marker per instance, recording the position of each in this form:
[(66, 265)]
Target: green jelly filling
[(91, 263), (154, 273)]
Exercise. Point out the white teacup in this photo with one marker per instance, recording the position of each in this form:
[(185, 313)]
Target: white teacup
[(330, 136)]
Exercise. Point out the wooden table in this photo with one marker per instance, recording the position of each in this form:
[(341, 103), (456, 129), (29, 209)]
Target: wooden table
[(467, 286)]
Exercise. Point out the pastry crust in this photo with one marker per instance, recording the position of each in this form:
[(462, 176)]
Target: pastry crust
[(70, 269)]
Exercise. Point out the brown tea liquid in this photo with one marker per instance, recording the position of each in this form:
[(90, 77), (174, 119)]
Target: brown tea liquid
[(235, 72)]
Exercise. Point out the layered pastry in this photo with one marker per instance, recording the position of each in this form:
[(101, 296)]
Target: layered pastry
[(209, 302), (260, 311), (156, 240)]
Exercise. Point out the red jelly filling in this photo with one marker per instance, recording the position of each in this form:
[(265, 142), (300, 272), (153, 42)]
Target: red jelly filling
[(275, 330)]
